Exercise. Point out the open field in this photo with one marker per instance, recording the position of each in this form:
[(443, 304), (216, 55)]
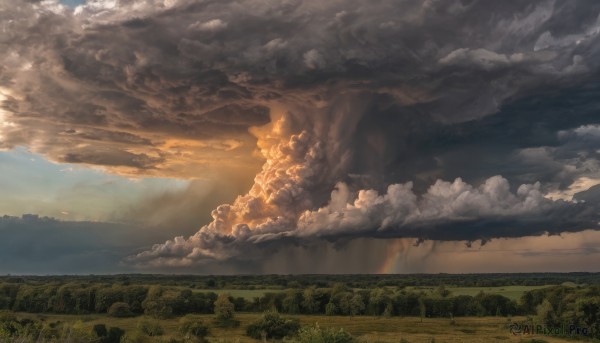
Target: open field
[(368, 329)]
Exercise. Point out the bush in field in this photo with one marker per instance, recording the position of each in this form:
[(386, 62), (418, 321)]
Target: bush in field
[(224, 312), (120, 310), (14, 329), (224, 309), (112, 335), (100, 330), (8, 325), (51, 330), (319, 335), (150, 327), (190, 327), (272, 325)]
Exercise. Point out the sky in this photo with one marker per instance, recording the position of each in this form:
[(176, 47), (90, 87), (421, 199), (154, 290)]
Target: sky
[(299, 136)]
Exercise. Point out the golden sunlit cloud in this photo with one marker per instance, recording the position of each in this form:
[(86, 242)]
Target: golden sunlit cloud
[(309, 122), (580, 185)]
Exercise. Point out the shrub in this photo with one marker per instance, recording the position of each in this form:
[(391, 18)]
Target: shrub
[(224, 309), (158, 309), (120, 310), (114, 335), (100, 330), (319, 335), (9, 325), (271, 325), (150, 328), (330, 309), (190, 327)]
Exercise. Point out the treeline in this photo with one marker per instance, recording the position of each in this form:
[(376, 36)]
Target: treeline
[(562, 306), (94, 298), (164, 302), (341, 300), (319, 281)]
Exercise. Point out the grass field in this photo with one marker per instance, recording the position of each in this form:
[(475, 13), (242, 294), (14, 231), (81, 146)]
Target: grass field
[(370, 329)]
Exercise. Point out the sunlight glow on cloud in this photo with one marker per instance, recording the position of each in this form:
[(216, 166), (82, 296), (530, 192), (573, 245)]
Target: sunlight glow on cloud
[(5, 124), (447, 121)]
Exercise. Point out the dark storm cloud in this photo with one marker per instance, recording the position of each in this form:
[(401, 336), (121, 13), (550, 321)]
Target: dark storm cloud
[(111, 157), (94, 134), (384, 99), (120, 81), (48, 246), (592, 195)]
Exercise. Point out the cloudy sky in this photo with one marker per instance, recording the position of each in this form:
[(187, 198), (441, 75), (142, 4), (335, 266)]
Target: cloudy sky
[(299, 136)]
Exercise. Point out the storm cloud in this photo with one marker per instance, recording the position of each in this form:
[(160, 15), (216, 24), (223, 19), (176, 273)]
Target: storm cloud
[(42, 245), (444, 120)]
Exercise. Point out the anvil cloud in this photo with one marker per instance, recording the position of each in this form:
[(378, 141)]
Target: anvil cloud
[(444, 120)]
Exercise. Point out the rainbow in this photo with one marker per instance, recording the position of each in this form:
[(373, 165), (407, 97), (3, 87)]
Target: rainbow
[(393, 253)]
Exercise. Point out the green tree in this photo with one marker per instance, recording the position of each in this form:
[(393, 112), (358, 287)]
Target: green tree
[(224, 312), (442, 291), (272, 326), (357, 305), (100, 330), (330, 309), (224, 309), (388, 311), (378, 301), (291, 302), (160, 301), (588, 312), (120, 310), (157, 309), (190, 327), (309, 303), (422, 309), (338, 287), (114, 335), (344, 301), (545, 313), (527, 302)]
